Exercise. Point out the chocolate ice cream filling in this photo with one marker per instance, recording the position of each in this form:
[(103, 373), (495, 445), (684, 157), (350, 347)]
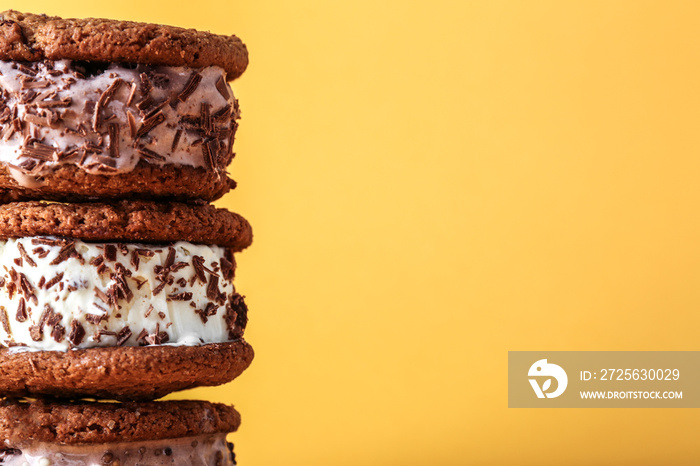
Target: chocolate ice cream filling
[(106, 118)]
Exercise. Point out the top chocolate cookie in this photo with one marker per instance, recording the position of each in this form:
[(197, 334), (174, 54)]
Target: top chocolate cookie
[(29, 37)]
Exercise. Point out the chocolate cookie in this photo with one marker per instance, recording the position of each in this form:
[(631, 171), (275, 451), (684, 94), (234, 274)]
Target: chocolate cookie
[(30, 37), (123, 373), (75, 130), (187, 433), (127, 221)]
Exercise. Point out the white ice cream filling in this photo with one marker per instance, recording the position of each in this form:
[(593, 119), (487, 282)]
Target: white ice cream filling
[(59, 294)]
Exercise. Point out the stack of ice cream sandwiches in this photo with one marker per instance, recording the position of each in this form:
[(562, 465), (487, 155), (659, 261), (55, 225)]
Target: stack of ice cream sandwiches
[(116, 272)]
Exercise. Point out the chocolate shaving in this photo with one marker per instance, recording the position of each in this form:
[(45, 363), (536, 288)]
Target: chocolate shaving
[(148, 311), (148, 154), (198, 265), (114, 140), (58, 333), (145, 104), (97, 261), (120, 289), (228, 265), (38, 151), (236, 316), (190, 87), (101, 295), (103, 101), (54, 280), (222, 113), (146, 86), (222, 88), (131, 95), (123, 335), (132, 124), (62, 103), (26, 288), (102, 332), (42, 282), (48, 241), (66, 251), (176, 140), (95, 319), (27, 70), (142, 335), (180, 265), (206, 117), (21, 315), (157, 337), (213, 291), (207, 312), (4, 320), (36, 332), (24, 255), (135, 260), (28, 83), (77, 333), (208, 156), (184, 296), (170, 260), (53, 318), (40, 252), (150, 123), (110, 253)]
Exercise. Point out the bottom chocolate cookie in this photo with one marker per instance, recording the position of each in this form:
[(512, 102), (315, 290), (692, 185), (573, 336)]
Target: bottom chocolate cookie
[(121, 373), (40, 433)]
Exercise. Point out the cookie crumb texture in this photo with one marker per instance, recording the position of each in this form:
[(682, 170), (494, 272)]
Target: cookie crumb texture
[(30, 37), (127, 221), (121, 373), (85, 422)]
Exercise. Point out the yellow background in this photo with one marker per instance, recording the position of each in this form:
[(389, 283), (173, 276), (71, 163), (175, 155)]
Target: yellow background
[(434, 183)]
